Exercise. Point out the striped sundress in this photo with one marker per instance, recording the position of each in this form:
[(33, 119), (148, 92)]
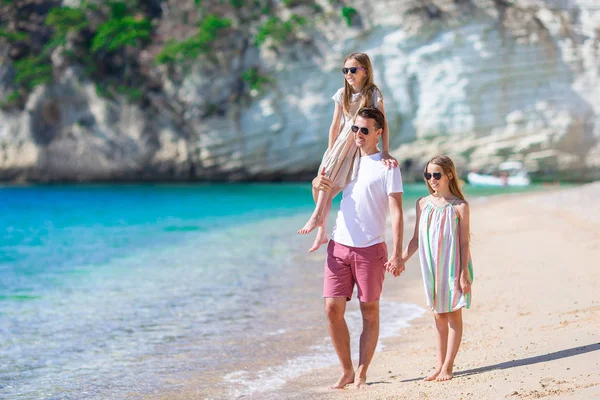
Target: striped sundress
[(439, 253)]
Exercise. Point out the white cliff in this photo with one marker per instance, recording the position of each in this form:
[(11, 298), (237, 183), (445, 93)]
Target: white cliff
[(473, 79)]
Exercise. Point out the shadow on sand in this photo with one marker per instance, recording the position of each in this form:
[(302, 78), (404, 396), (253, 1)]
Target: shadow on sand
[(525, 361)]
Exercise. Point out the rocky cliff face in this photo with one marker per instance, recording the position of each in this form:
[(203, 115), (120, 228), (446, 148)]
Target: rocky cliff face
[(484, 81)]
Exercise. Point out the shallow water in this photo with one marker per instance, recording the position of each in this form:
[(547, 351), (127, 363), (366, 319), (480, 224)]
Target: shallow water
[(128, 291)]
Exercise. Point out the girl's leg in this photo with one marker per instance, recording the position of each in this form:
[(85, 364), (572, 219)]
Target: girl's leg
[(322, 231), (454, 339), (318, 215), (315, 193), (441, 326)]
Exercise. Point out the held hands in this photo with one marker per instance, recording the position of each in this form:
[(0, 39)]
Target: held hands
[(395, 265), (322, 183), (388, 161), (465, 284)]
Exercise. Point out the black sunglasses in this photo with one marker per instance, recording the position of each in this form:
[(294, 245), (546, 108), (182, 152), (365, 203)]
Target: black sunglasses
[(352, 70), (436, 175), (364, 131)]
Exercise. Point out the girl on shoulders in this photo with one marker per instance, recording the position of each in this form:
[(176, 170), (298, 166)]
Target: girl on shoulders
[(341, 159)]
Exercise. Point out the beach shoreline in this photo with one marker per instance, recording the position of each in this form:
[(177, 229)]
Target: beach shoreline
[(531, 331)]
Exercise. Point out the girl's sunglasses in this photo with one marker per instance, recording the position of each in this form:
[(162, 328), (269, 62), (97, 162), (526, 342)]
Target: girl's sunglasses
[(436, 175), (352, 70), (363, 130)]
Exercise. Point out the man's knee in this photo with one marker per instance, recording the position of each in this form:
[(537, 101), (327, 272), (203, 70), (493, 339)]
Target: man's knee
[(334, 309), (370, 311)]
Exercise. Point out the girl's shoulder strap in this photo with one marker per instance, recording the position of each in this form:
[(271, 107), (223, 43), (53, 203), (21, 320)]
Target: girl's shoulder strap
[(425, 201), (338, 96), (455, 203)]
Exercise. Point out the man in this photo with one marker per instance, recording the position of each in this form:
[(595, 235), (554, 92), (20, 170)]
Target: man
[(357, 254)]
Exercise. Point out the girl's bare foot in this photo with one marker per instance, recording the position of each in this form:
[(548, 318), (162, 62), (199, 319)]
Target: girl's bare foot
[(319, 240), (361, 383), (344, 380), (433, 376), (444, 375), (312, 223)]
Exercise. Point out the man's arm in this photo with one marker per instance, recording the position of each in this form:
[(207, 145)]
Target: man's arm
[(395, 264)]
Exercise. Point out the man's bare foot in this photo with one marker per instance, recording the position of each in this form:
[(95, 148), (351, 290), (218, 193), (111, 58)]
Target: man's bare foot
[(361, 383), (319, 240), (445, 375), (433, 376), (344, 380), (311, 224)]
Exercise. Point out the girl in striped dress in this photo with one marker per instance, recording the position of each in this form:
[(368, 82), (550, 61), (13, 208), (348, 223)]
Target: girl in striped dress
[(442, 238)]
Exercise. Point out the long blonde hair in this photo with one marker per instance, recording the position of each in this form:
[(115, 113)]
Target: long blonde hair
[(448, 167), (369, 88)]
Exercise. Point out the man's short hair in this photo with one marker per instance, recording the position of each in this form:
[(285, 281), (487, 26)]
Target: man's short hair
[(372, 113)]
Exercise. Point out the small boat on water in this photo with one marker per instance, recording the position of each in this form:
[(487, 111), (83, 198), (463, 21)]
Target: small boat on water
[(509, 173)]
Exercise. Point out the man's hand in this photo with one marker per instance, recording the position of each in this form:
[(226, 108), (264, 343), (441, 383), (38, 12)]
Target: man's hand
[(322, 183), (395, 265)]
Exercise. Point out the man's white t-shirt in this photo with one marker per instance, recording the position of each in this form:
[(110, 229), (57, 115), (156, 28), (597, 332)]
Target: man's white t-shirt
[(361, 219)]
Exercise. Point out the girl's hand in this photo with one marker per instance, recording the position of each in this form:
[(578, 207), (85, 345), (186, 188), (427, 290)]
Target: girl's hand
[(388, 161), (465, 284), (322, 183)]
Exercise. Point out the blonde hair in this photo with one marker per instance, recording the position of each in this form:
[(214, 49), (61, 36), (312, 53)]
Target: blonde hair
[(448, 167), (369, 88)]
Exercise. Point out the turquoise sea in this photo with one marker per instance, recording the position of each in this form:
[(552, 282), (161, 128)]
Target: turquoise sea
[(135, 291)]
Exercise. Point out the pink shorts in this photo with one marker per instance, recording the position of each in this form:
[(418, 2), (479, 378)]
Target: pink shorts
[(363, 266)]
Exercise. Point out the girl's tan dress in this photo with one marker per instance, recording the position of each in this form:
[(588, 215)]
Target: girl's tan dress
[(341, 161)]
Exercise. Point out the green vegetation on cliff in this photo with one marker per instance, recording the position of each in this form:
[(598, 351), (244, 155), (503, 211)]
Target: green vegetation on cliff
[(197, 44), (118, 44)]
